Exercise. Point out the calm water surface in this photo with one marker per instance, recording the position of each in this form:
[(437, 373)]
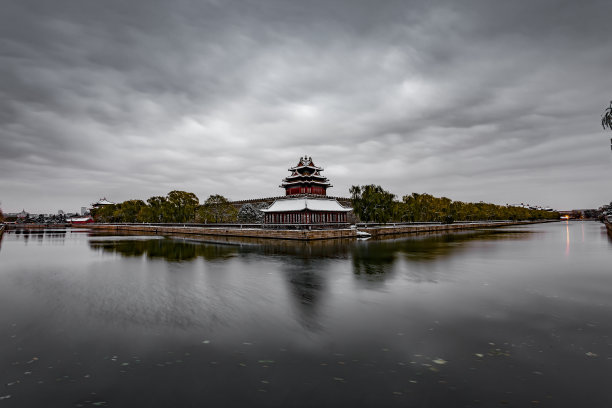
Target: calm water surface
[(507, 317)]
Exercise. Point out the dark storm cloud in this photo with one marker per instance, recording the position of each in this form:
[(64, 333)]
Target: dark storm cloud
[(477, 100)]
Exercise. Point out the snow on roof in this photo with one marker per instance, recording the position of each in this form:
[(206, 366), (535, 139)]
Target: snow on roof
[(298, 175), (79, 219), (322, 183), (300, 204), (103, 201)]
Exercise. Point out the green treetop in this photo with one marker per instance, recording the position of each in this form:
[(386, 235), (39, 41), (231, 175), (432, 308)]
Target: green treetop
[(217, 208)]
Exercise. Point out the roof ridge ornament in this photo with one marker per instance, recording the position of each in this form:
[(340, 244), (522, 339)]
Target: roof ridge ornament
[(305, 178)]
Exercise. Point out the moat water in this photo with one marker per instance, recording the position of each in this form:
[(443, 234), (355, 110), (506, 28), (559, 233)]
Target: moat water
[(516, 316)]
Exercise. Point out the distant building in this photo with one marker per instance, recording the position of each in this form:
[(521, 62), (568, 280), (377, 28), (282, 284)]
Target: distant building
[(531, 207), (80, 220), (580, 214), (101, 203)]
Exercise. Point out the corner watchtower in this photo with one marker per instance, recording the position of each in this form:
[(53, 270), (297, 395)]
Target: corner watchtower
[(305, 178)]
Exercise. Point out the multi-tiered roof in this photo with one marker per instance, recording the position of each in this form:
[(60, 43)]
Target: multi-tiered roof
[(306, 178), (101, 203)]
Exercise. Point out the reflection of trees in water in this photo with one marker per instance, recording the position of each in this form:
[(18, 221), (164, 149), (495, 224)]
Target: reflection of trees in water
[(302, 263), (57, 235), (306, 265), (371, 257), (337, 249), (375, 258), (168, 249)]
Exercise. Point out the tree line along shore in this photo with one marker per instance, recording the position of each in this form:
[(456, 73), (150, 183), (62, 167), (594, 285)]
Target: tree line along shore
[(371, 203)]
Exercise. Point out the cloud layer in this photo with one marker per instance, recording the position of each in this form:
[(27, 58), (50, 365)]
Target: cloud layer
[(475, 100)]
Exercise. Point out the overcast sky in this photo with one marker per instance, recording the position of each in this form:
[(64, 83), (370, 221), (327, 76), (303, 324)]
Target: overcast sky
[(499, 101)]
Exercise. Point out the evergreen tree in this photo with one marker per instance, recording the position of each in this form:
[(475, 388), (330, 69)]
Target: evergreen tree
[(250, 214)]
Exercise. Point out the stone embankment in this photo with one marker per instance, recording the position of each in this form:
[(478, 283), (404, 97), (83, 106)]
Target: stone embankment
[(302, 235), (226, 231), (410, 229)]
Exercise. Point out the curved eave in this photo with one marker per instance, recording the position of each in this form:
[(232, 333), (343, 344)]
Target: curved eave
[(306, 175), (305, 180), (306, 167), (293, 183)]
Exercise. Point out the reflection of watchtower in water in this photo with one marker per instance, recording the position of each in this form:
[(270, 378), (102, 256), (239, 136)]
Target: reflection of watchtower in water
[(306, 202)]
